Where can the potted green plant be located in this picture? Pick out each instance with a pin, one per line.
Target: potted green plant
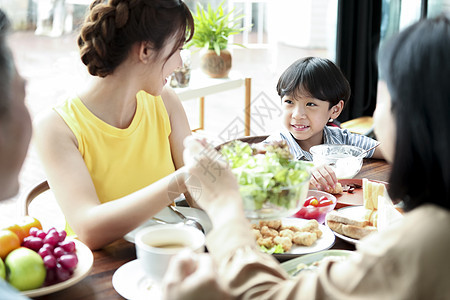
(212, 29)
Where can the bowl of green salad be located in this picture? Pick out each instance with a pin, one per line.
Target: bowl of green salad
(271, 183)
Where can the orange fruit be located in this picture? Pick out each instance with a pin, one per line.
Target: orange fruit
(22, 228)
(8, 242)
(28, 222)
(21, 234)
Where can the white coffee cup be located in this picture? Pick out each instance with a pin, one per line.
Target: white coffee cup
(156, 245)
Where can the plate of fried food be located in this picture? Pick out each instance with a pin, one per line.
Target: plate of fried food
(290, 237)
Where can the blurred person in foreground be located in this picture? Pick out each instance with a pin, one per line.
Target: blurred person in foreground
(15, 130)
(409, 260)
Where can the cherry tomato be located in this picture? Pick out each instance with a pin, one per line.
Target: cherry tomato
(314, 202)
(308, 200)
(312, 214)
(300, 213)
(323, 198)
(325, 203)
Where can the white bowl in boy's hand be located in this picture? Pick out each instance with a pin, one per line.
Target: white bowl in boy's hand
(345, 160)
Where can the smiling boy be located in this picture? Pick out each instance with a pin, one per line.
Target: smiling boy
(313, 92)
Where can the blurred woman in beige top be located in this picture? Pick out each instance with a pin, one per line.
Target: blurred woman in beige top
(409, 260)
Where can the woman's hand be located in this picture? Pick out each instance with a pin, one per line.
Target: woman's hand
(211, 182)
(324, 178)
(192, 276)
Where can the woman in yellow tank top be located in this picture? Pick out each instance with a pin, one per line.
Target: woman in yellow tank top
(111, 152)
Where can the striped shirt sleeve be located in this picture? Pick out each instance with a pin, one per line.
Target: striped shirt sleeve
(335, 135)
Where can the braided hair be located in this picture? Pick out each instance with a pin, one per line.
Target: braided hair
(112, 28)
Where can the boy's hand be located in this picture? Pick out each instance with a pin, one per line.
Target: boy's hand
(323, 178)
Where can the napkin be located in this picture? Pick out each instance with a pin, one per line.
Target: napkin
(193, 148)
(388, 215)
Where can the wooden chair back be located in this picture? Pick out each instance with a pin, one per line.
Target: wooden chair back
(247, 139)
(31, 195)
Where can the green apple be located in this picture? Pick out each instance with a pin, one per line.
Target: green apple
(2, 269)
(26, 269)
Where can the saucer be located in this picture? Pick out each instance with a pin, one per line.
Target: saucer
(131, 283)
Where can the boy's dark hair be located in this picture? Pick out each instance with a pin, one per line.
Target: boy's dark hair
(416, 67)
(317, 77)
(6, 65)
(111, 29)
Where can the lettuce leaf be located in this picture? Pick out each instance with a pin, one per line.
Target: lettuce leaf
(266, 178)
(275, 249)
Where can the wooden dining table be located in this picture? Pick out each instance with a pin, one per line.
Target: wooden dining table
(98, 283)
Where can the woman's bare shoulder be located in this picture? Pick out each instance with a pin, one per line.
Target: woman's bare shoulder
(49, 125)
(171, 100)
(47, 120)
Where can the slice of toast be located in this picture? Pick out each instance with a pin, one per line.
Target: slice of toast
(336, 216)
(355, 232)
(371, 191)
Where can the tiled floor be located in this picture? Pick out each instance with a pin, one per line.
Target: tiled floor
(53, 71)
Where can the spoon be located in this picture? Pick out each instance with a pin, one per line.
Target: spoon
(187, 221)
(160, 221)
(364, 153)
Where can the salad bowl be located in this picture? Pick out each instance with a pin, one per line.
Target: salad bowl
(272, 185)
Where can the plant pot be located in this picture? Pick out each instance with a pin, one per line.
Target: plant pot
(216, 66)
(180, 77)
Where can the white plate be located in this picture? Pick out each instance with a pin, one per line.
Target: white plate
(326, 241)
(354, 212)
(131, 283)
(290, 266)
(85, 261)
(168, 215)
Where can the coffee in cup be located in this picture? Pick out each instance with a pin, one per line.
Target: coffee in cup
(156, 245)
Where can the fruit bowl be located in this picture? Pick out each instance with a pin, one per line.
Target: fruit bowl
(344, 159)
(316, 206)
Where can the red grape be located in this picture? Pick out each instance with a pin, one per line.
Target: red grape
(33, 231)
(49, 247)
(68, 261)
(41, 234)
(61, 273)
(62, 235)
(58, 252)
(68, 246)
(51, 230)
(33, 243)
(43, 252)
(49, 262)
(50, 278)
(26, 240)
(52, 238)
